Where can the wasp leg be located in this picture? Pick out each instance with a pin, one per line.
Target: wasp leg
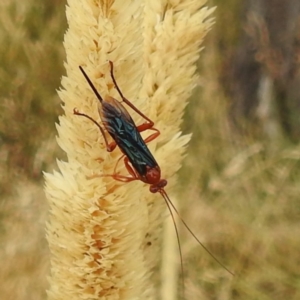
(152, 136)
(151, 123)
(115, 169)
(109, 146)
(119, 177)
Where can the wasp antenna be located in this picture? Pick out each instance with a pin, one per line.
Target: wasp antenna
(167, 199)
(91, 84)
(178, 242)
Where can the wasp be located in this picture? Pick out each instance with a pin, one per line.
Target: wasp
(138, 160)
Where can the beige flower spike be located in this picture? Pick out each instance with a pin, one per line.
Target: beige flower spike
(104, 235)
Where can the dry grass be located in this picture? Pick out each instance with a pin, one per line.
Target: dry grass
(31, 66)
(243, 202)
(239, 193)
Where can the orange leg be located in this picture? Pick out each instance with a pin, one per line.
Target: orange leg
(133, 176)
(130, 170)
(115, 169)
(144, 126)
(148, 125)
(109, 146)
(152, 136)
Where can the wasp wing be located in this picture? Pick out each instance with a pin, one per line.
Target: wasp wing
(123, 130)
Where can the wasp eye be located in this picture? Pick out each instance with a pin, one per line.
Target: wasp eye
(162, 183)
(154, 189)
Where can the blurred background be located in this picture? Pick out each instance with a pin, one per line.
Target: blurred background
(240, 184)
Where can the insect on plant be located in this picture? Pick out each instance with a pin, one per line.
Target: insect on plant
(138, 160)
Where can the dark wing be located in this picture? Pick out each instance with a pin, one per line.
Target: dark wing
(123, 130)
